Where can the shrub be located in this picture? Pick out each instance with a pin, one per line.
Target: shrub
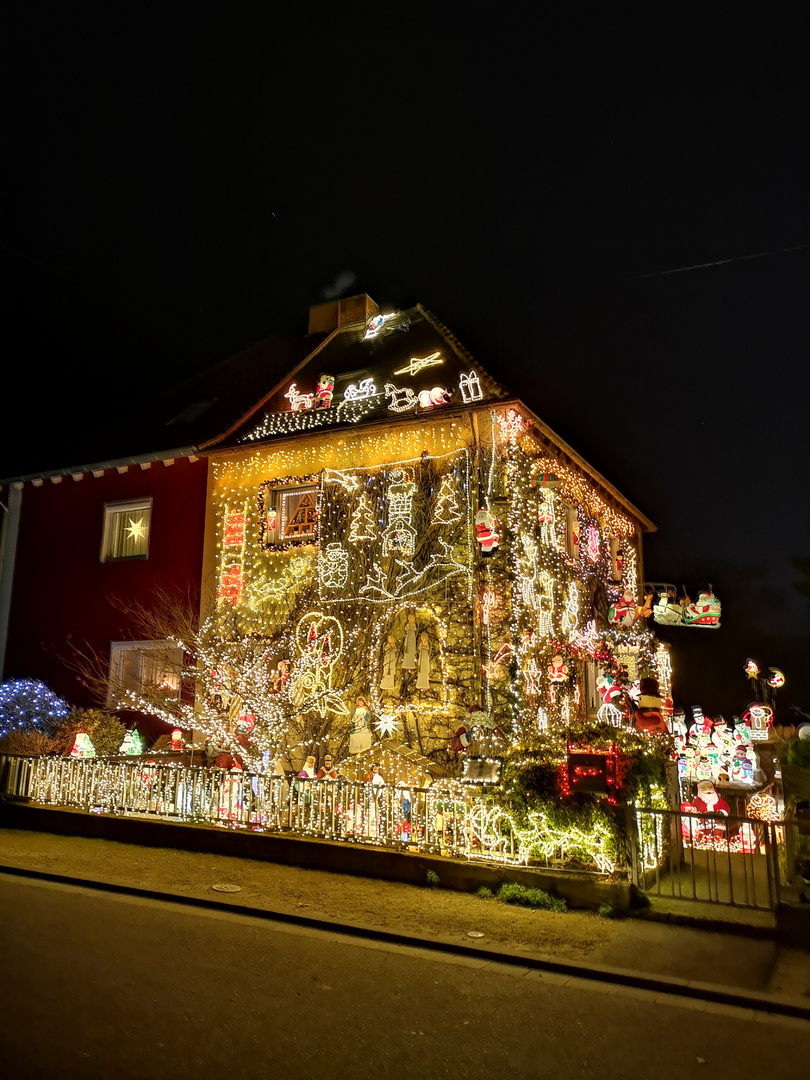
(797, 752)
(432, 877)
(512, 893)
(606, 910)
(106, 731)
(485, 893)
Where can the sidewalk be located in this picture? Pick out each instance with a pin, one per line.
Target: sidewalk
(601, 947)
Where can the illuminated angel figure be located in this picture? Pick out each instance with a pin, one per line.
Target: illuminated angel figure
(570, 613)
(545, 603)
(528, 572)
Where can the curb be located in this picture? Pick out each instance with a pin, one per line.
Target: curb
(595, 973)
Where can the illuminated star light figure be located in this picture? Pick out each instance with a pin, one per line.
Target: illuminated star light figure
(387, 726)
(136, 529)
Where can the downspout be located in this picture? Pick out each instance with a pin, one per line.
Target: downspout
(8, 554)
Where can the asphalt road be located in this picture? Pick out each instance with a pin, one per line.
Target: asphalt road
(112, 986)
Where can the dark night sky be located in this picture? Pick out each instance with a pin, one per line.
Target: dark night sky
(178, 184)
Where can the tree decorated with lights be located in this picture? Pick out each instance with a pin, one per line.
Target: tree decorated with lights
(28, 705)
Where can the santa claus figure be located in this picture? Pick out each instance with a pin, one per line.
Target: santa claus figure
(708, 801)
(623, 612)
(558, 669)
(460, 740)
(486, 531)
(325, 389)
(647, 715)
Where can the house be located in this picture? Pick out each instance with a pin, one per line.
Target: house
(385, 545)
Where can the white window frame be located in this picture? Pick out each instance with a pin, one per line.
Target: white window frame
(142, 649)
(111, 511)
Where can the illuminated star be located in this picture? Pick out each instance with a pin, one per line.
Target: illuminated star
(137, 529)
(387, 726)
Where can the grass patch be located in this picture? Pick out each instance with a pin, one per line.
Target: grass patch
(511, 893)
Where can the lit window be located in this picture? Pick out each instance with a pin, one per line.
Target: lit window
(126, 530)
(150, 668)
(288, 515)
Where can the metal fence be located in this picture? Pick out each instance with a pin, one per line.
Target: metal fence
(713, 858)
(669, 854)
(433, 820)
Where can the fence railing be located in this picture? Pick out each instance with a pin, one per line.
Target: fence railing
(670, 854)
(716, 858)
(435, 820)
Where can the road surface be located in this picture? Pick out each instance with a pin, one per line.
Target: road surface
(98, 985)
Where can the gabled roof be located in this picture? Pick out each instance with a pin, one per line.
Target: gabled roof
(410, 354)
(248, 397)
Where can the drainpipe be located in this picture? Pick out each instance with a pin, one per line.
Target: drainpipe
(8, 551)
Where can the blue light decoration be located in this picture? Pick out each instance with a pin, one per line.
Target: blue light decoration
(29, 705)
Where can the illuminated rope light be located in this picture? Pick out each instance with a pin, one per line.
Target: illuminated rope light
(403, 399)
(470, 387)
(417, 364)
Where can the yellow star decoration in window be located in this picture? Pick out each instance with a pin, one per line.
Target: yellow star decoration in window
(137, 529)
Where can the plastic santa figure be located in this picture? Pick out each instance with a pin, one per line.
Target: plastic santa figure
(486, 531)
(326, 386)
(647, 712)
(558, 669)
(708, 801)
(623, 612)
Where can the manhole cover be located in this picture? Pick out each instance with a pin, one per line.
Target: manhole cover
(474, 933)
(227, 888)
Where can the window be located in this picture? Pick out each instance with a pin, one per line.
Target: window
(151, 668)
(126, 530)
(288, 514)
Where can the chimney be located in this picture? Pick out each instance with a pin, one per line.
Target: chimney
(337, 314)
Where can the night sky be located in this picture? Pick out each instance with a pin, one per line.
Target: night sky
(178, 184)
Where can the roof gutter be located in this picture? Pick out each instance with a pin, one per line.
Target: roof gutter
(101, 466)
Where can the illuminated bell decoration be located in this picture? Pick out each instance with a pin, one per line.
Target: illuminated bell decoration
(82, 747)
